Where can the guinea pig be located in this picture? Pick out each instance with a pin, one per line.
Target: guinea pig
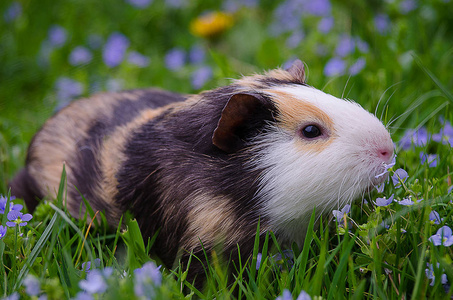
(203, 170)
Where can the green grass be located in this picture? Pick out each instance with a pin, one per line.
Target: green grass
(407, 81)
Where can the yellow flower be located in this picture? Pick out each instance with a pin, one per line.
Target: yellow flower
(211, 24)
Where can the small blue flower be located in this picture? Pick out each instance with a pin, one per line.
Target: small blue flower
(96, 281)
(400, 176)
(115, 49)
(303, 296)
(384, 201)
(83, 296)
(3, 230)
(259, 256)
(406, 6)
(435, 218)
(17, 218)
(80, 56)
(146, 279)
(67, 89)
(295, 39)
(431, 159)
(13, 296)
(387, 168)
(13, 12)
(417, 138)
(326, 24)
(445, 135)
(345, 46)
(175, 59)
(32, 285)
(430, 274)
(201, 76)
(286, 295)
(442, 237)
(334, 67)
(340, 214)
(362, 45)
(140, 3)
(318, 7)
(382, 23)
(12, 206)
(197, 55)
(138, 59)
(87, 265)
(357, 66)
(57, 36)
(406, 202)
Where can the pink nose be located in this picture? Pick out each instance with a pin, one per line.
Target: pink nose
(385, 153)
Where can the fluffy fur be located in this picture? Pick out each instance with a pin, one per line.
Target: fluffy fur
(208, 167)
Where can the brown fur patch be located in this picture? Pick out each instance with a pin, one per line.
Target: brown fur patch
(113, 157)
(295, 113)
(210, 220)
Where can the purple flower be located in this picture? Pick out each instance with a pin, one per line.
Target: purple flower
(13, 12)
(115, 49)
(442, 237)
(303, 296)
(197, 55)
(361, 45)
(445, 135)
(435, 218)
(12, 206)
(32, 285)
(259, 256)
(384, 201)
(57, 36)
(430, 274)
(287, 17)
(387, 168)
(146, 279)
(235, 5)
(67, 89)
(335, 66)
(406, 202)
(430, 158)
(382, 23)
(17, 218)
(87, 265)
(416, 137)
(3, 230)
(407, 6)
(96, 281)
(326, 24)
(83, 296)
(286, 295)
(380, 188)
(175, 3)
(175, 59)
(400, 176)
(345, 46)
(340, 214)
(80, 56)
(318, 7)
(357, 66)
(295, 39)
(140, 3)
(13, 296)
(138, 59)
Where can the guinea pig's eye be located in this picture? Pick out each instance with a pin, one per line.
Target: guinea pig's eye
(311, 131)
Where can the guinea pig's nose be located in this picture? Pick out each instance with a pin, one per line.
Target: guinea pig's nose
(385, 153)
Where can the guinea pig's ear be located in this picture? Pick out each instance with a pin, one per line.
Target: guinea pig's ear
(242, 115)
(297, 71)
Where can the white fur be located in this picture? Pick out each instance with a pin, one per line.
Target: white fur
(296, 181)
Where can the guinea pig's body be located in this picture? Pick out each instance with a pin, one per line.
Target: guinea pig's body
(208, 167)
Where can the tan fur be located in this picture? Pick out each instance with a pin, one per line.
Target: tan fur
(112, 158)
(57, 142)
(296, 112)
(210, 220)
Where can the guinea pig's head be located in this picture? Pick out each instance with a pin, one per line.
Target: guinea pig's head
(313, 150)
